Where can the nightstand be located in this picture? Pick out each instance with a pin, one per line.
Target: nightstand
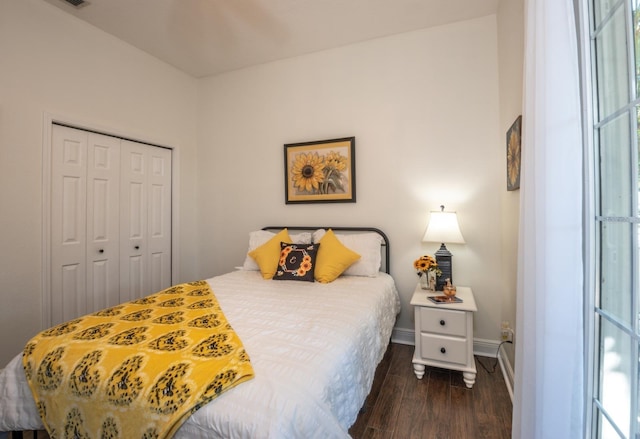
(444, 333)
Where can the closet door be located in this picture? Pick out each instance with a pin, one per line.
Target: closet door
(159, 208)
(110, 235)
(145, 221)
(103, 228)
(84, 222)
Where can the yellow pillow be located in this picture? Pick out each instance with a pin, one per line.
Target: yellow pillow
(268, 254)
(333, 258)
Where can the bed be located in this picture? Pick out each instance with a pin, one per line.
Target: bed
(314, 346)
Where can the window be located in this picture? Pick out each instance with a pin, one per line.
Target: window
(613, 310)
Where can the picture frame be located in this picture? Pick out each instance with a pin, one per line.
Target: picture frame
(322, 171)
(514, 152)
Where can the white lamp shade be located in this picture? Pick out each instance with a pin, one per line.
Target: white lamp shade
(443, 227)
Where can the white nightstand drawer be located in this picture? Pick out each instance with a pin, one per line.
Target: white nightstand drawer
(443, 349)
(443, 321)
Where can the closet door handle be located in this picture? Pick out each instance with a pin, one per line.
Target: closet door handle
(137, 247)
(101, 250)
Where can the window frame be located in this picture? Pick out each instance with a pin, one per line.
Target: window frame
(585, 12)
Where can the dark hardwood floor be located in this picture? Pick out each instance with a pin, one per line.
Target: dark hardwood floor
(439, 406)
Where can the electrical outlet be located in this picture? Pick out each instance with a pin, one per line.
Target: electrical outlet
(506, 333)
(509, 335)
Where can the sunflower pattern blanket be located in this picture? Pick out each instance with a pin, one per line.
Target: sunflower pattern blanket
(136, 370)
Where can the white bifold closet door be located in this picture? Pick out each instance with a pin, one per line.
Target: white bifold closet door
(110, 221)
(145, 219)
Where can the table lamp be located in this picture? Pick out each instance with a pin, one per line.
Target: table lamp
(443, 227)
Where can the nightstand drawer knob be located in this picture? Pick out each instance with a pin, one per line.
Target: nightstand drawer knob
(443, 351)
(442, 322)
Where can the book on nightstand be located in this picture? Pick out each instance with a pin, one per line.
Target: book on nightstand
(440, 300)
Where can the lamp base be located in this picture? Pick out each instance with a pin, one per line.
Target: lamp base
(443, 259)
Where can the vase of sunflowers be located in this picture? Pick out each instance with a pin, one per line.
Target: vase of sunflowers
(427, 269)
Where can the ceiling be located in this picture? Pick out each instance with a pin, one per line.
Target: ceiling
(207, 37)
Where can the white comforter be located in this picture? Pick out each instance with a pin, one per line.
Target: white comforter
(314, 349)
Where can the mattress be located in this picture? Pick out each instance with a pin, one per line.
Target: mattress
(314, 349)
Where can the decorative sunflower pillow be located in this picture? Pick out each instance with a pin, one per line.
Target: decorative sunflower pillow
(297, 262)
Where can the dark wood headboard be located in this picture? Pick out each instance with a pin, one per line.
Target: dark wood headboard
(385, 239)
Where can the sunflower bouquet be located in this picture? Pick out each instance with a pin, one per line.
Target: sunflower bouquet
(425, 264)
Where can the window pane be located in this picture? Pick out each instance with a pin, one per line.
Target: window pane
(636, 186)
(614, 388)
(612, 67)
(636, 41)
(604, 429)
(601, 9)
(615, 46)
(637, 420)
(616, 267)
(615, 157)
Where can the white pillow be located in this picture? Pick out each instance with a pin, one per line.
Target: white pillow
(367, 245)
(259, 237)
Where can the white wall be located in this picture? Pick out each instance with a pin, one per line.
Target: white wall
(511, 56)
(424, 108)
(52, 62)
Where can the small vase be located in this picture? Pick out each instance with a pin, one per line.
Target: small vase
(424, 281)
(432, 283)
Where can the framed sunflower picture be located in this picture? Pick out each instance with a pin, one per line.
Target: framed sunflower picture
(513, 155)
(323, 171)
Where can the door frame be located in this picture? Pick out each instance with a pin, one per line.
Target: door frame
(48, 120)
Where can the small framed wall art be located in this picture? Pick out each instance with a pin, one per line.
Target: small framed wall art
(513, 154)
(322, 171)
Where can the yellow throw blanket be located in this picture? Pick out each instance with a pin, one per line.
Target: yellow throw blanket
(136, 370)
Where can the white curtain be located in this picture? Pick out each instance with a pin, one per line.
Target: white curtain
(549, 388)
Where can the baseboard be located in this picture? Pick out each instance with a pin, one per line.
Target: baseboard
(481, 347)
(507, 372)
(403, 336)
(485, 348)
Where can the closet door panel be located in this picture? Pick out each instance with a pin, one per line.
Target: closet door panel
(145, 219)
(137, 284)
(134, 279)
(68, 223)
(71, 300)
(158, 271)
(160, 217)
(103, 286)
(72, 216)
(100, 284)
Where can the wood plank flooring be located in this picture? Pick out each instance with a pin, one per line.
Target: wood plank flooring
(437, 407)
